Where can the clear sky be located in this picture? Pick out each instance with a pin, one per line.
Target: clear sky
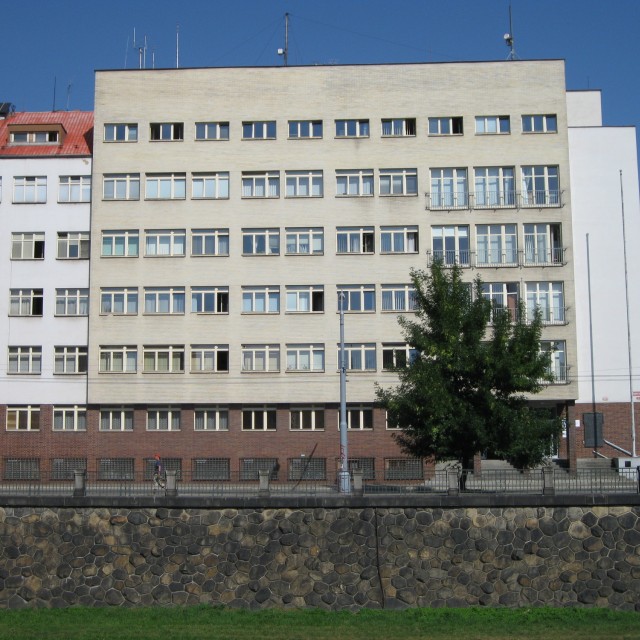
(47, 43)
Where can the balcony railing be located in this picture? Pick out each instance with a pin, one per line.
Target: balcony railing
(550, 315)
(467, 259)
(452, 201)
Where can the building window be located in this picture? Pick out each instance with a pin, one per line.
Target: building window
(542, 244)
(352, 128)
(303, 184)
(74, 189)
(304, 241)
(250, 468)
(451, 126)
(398, 182)
(163, 419)
(34, 137)
(503, 297)
(305, 357)
(120, 419)
(212, 130)
(23, 418)
(305, 129)
(403, 469)
(451, 244)
(261, 357)
(121, 186)
(354, 182)
(260, 300)
(25, 360)
(165, 242)
(209, 358)
(540, 186)
(29, 189)
(557, 359)
(115, 469)
(73, 245)
(540, 123)
(64, 468)
(25, 302)
(449, 189)
(21, 469)
(260, 184)
(118, 359)
(548, 298)
(164, 300)
(399, 240)
(27, 246)
(366, 465)
(260, 242)
(495, 187)
(359, 418)
(70, 360)
(398, 297)
(359, 356)
(119, 301)
(69, 419)
(118, 132)
(209, 299)
(213, 186)
(394, 127)
(304, 468)
(163, 359)
(166, 186)
(397, 355)
(210, 469)
(259, 419)
(120, 244)
(210, 242)
(497, 244)
(210, 419)
(305, 299)
(259, 130)
(493, 124)
(167, 131)
(72, 302)
(355, 239)
(306, 419)
(357, 298)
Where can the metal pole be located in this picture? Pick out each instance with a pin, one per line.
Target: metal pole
(593, 380)
(626, 293)
(344, 480)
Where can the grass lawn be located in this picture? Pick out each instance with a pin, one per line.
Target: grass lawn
(196, 623)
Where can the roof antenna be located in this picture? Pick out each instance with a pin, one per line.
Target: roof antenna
(69, 94)
(177, 46)
(509, 40)
(55, 80)
(285, 52)
(142, 51)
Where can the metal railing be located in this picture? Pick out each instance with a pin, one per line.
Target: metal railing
(467, 259)
(452, 200)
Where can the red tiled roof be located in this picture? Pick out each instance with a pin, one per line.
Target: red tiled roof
(78, 140)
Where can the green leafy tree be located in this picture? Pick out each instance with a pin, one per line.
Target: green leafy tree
(466, 391)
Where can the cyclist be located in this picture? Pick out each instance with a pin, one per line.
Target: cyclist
(158, 473)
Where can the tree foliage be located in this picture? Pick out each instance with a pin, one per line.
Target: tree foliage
(466, 391)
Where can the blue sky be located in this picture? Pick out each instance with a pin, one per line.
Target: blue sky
(61, 42)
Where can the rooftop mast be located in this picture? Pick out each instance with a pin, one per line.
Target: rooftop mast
(285, 52)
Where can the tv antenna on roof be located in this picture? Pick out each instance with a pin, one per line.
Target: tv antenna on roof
(509, 40)
(141, 49)
(285, 52)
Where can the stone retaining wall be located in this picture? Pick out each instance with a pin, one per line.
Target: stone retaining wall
(333, 558)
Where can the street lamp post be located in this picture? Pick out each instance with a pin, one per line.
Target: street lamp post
(344, 479)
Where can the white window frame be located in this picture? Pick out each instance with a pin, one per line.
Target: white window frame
(399, 240)
(500, 247)
(359, 356)
(210, 300)
(259, 130)
(117, 418)
(558, 366)
(211, 185)
(356, 298)
(73, 245)
(402, 355)
(74, 189)
(301, 241)
(120, 132)
(29, 189)
(354, 183)
(174, 240)
(155, 356)
(16, 414)
(209, 358)
(267, 239)
(165, 186)
(213, 242)
(503, 296)
(211, 419)
(542, 244)
(113, 240)
(164, 301)
(304, 299)
(24, 360)
(540, 123)
(549, 298)
(398, 298)
(26, 302)
(446, 126)
(260, 358)
(121, 186)
(260, 184)
(398, 182)
(359, 418)
(355, 240)
(450, 244)
(118, 359)
(449, 188)
(398, 127)
(540, 186)
(166, 131)
(261, 300)
(70, 360)
(306, 418)
(305, 357)
(259, 418)
(304, 184)
(353, 128)
(72, 302)
(305, 129)
(494, 187)
(114, 298)
(72, 418)
(212, 130)
(27, 246)
(493, 125)
(163, 419)
(35, 137)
